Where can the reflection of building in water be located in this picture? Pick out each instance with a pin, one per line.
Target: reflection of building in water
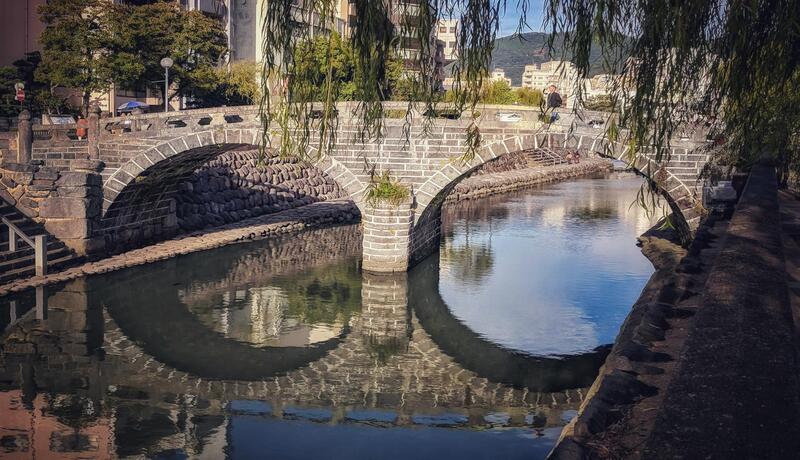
(260, 316)
(33, 429)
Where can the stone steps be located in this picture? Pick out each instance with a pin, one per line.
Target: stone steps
(21, 263)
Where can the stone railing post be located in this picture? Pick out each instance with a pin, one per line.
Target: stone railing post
(387, 236)
(93, 134)
(24, 137)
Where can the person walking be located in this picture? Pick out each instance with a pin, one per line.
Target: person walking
(553, 102)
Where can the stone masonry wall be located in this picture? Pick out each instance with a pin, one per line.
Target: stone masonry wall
(67, 203)
(509, 162)
(238, 185)
(387, 236)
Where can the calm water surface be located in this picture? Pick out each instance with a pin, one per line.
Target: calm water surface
(285, 349)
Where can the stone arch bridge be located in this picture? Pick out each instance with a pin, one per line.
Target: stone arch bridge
(135, 163)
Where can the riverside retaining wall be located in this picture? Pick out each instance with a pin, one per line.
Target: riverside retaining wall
(706, 364)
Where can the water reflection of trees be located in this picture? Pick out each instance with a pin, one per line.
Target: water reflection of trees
(592, 213)
(470, 262)
(330, 295)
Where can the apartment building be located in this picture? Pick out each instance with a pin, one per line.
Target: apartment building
(499, 74)
(447, 32)
(562, 74)
(404, 15)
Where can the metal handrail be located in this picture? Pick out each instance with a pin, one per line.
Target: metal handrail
(38, 243)
(552, 157)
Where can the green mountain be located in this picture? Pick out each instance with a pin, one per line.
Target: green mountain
(514, 52)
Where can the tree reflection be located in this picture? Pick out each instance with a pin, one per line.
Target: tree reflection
(592, 213)
(329, 295)
(469, 261)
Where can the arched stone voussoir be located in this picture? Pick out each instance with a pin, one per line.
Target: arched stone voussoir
(347, 181)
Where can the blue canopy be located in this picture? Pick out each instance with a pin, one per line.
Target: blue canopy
(131, 105)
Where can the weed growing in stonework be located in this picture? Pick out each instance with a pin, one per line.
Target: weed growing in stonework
(385, 188)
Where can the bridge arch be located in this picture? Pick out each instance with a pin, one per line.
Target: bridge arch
(138, 204)
(676, 189)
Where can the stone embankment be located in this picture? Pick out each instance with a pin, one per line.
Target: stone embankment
(240, 184)
(706, 364)
(312, 216)
(503, 181)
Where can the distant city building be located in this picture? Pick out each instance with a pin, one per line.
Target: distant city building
(447, 32)
(404, 15)
(599, 85)
(562, 74)
(20, 29)
(499, 74)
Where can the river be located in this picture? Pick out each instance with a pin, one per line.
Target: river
(285, 349)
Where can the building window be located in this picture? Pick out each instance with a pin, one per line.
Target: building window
(442, 30)
(452, 30)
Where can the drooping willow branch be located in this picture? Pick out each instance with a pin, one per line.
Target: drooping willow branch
(734, 61)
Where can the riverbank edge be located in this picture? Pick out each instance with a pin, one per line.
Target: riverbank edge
(680, 375)
(312, 216)
(483, 185)
(664, 250)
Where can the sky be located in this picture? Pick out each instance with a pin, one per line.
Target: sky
(510, 18)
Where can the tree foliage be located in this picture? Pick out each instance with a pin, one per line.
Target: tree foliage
(734, 61)
(74, 46)
(90, 44)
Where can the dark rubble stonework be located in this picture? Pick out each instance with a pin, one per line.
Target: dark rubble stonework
(240, 184)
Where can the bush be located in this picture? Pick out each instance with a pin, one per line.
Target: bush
(387, 189)
(601, 103)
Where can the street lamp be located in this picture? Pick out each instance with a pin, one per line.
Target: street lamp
(166, 63)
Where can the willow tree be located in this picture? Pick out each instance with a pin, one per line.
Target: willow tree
(735, 61)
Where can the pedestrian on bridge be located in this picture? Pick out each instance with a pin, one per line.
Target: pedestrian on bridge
(553, 102)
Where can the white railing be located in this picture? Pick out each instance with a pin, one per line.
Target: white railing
(38, 243)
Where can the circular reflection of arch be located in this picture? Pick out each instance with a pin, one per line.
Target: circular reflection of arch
(487, 359)
(144, 302)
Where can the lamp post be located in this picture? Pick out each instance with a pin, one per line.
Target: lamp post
(166, 63)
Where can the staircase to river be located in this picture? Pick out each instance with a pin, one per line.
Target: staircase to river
(544, 156)
(21, 263)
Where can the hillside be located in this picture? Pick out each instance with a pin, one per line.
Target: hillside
(513, 53)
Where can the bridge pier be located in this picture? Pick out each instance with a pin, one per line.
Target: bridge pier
(387, 236)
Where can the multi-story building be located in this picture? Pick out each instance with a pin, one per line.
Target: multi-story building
(499, 74)
(20, 29)
(404, 15)
(447, 32)
(562, 74)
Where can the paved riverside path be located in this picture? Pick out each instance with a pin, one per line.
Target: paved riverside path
(736, 392)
